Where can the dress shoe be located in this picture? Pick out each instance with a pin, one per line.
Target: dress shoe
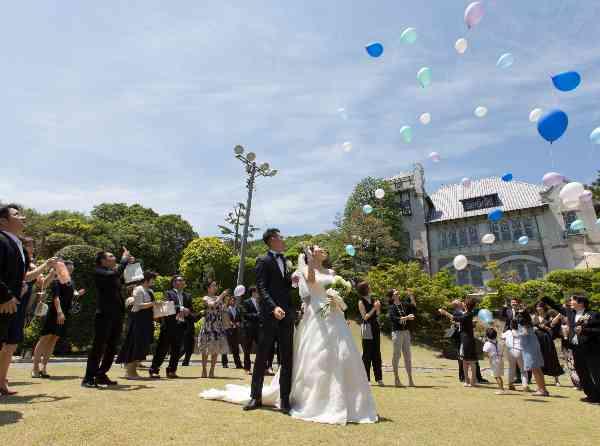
(172, 375)
(185, 363)
(589, 400)
(89, 384)
(285, 407)
(153, 374)
(44, 375)
(104, 380)
(253, 404)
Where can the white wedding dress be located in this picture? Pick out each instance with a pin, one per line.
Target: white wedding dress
(329, 382)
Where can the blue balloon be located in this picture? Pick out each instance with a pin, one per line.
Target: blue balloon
(495, 215)
(350, 250)
(507, 177)
(485, 316)
(375, 49)
(567, 81)
(577, 225)
(553, 125)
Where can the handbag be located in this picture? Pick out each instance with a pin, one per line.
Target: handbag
(163, 309)
(41, 309)
(366, 331)
(133, 273)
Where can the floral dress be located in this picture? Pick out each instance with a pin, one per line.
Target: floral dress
(212, 339)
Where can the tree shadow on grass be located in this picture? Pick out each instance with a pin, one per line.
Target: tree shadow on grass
(10, 417)
(23, 383)
(217, 377)
(127, 387)
(64, 378)
(33, 399)
(531, 400)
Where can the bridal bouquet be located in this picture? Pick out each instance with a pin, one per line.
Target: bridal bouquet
(336, 291)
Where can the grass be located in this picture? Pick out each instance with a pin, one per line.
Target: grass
(438, 412)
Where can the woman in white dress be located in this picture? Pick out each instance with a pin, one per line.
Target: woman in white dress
(329, 382)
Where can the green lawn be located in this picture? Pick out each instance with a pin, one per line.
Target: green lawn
(439, 412)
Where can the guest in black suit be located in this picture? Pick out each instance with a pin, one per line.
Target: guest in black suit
(457, 311)
(277, 314)
(583, 338)
(189, 334)
(172, 329)
(108, 323)
(250, 325)
(233, 332)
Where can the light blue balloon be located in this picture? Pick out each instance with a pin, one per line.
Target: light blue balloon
(374, 49)
(409, 35)
(567, 81)
(507, 177)
(598, 221)
(350, 250)
(485, 316)
(406, 133)
(424, 77)
(505, 61)
(523, 240)
(577, 225)
(495, 215)
(367, 209)
(595, 136)
(553, 125)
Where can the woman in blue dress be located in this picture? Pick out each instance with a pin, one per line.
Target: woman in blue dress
(533, 359)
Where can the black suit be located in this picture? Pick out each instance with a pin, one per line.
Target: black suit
(250, 329)
(233, 335)
(171, 335)
(108, 323)
(274, 289)
(188, 330)
(12, 274)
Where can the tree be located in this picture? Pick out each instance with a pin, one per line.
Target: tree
(206, 259)
(595, 188)
(236, 219)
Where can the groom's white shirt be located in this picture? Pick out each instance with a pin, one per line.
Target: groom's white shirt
(279, 262)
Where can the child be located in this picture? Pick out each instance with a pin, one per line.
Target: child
(494, 353)
(514, 355)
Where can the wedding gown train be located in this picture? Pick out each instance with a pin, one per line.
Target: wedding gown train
(329, 382)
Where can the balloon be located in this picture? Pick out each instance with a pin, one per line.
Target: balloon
(595, 136)
(485, 316)
(374, 49)
(424, 76)
(406, 133)
(347, 146)
(535, 115)
(567, 81)
(586, 196)
(552, 179)
(239, 291)
(350, 250)
(473, 14)
(552, 125)
(367, 209)
(481, 111)
(466, 182)
(461, 46)
(460, 262)
(507, 177)
(577, 225)
(488, 239)
(495, 215)
(598, 221)
(523, 240)
(505, 61)
(435, 157)
(379, 194)
(409, 35)
(425, 118)
(570, 193)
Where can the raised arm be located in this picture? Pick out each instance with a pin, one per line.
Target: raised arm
(363, 311)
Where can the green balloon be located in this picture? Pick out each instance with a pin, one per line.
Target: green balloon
(406, 133)
(409, 35)
(424, 77)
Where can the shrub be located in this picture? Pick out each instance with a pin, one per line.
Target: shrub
(205, 259)
(567, 279)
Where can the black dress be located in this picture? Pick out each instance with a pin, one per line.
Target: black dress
(64, 292)
(140, 333)
(545, 335)
(372, 347)
(468, 351)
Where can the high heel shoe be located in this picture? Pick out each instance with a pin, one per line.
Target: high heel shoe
(6, 392)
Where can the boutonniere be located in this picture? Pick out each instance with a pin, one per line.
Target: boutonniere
(289, 265)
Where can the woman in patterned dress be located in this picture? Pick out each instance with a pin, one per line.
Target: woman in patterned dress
(212, 339)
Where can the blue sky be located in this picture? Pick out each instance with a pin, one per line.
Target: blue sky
(143, 101)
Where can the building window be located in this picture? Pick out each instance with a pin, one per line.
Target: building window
(473, 235)
(495, 229)
(533, 271)
(452, 241)
(443, 240)
(516, 229)
(404, 203)
(463, 277)
(528, 226)
(521, 271)
(462, 237)
(505, 231)
(476, 276)
(484, 202)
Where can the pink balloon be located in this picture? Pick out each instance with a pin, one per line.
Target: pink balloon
(473, 14)
(552, 179)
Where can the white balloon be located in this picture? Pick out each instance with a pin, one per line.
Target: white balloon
(239, 291)
(488, 239)
(570, 193)
(379, 194)
(425, 118)
(570, 205)
(552, 179)
(535, 114)
(347, 146)
(460, 262)
(466, 182)
(435, 157)
(461, 45)
(481, 111)
(586, 196)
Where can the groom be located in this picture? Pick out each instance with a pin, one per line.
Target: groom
(276, 311)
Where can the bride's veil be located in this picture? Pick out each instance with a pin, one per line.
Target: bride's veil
(302, 272)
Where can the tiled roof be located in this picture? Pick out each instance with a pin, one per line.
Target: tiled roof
(514, 195)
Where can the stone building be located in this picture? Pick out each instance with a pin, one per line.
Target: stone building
(453, 219)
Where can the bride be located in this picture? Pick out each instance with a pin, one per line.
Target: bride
(329, 382)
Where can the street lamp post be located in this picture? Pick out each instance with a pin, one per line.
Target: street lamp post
(253, 170)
